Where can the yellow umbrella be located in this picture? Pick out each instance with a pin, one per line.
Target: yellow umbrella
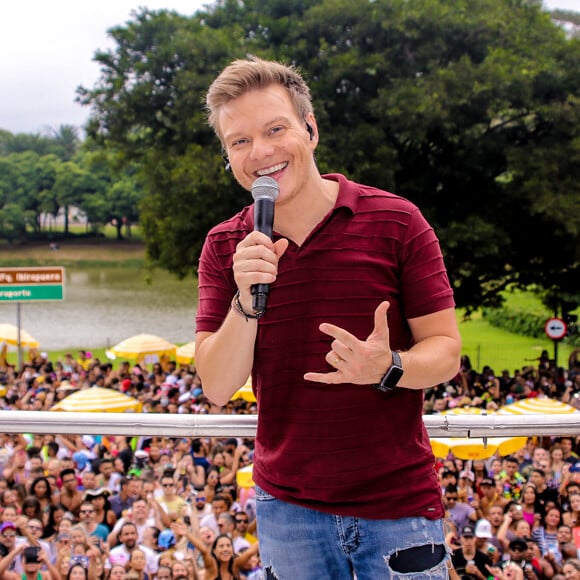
(98, 399)
(466, 448)
(9, 335)
(146, 348)
(245, 392)
(476, 447)
(536, 405)
(185, 354)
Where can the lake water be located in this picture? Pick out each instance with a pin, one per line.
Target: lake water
(104, 306)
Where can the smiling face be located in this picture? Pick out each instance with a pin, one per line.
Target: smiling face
(263, 135)
(223, 549)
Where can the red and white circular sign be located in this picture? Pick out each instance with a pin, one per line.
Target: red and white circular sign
(556, 328)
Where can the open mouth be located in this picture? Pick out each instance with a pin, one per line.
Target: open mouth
(272, 170)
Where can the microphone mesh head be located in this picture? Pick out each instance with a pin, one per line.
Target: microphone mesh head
(265, 188)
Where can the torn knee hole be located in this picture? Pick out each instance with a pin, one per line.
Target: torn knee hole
(417, 559)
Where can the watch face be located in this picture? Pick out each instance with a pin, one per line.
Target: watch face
(391, 379)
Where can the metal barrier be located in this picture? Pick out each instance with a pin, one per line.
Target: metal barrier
(473, 426)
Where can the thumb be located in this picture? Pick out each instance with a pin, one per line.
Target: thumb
(381, 329)
(280, 247)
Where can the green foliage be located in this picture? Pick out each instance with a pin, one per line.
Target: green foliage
(467, 107)
(525, 313)
(32, 184)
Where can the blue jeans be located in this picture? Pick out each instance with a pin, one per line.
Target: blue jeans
(298, 543)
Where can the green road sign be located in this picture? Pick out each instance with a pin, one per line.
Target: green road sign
(31, 284)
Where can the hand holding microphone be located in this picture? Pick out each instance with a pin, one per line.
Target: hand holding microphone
(256, 261)
(265, 192)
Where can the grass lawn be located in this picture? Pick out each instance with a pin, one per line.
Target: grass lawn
(487, 345)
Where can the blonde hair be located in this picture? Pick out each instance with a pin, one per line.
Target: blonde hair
(253, 73)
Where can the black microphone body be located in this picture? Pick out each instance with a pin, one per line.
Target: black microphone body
(265, 192)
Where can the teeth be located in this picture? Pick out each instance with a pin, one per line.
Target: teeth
(271, 170)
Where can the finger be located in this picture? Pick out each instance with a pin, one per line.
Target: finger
(256, 238)
(333, 359)
(327, 378)
(381, 329)
(340, 334)
(341, 351)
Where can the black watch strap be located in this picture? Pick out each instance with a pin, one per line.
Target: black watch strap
(392, 376)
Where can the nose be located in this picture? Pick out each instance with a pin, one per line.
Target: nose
(261, 148)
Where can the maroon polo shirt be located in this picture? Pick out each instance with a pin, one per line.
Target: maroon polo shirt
(344, 449)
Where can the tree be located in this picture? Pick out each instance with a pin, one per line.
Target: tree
(25, 179)
(470, 109)
(117, 196)
(66, 141)
(73, 183)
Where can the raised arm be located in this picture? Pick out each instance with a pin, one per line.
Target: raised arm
(224, 359)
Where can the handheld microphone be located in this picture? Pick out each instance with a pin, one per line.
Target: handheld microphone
(265, 192)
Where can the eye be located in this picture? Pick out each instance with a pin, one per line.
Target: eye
(239, 142)
(275, 130)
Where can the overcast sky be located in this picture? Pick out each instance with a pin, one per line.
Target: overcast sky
(47, 49)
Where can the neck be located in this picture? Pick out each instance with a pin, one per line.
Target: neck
(294, 221)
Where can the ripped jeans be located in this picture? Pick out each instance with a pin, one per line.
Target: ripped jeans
(298, 543)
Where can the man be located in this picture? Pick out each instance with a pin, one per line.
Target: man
(96, 532)
(8, 535)
(496, 518)
(538, 455)
(544, 494)
(519, 552)
(566, 542)
(511, 479)
(220, 504)
(121, 554)
(227, 525)
(490, 497)
(242, 527)
(172, 503)
(128, 493)
(460, 512)
(32, 558)
(140, 516)
(469, 562)
(107, 476)
(448, 477)
(485, 541)
(567, 443)
(89, 481)
(34, 529)
(70, 496)
(342, 255)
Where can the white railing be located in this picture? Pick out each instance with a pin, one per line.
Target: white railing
(171, 425)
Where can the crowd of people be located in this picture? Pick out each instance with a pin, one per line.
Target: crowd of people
(87, 507)
(122, 507)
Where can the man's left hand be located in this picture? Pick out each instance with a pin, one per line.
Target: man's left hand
(361, 362)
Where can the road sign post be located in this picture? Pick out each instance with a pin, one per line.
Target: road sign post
(30, 285)
(556, 329)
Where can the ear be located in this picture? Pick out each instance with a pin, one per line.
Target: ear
(311, 127)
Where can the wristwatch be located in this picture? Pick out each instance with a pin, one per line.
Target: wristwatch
(392, 376)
